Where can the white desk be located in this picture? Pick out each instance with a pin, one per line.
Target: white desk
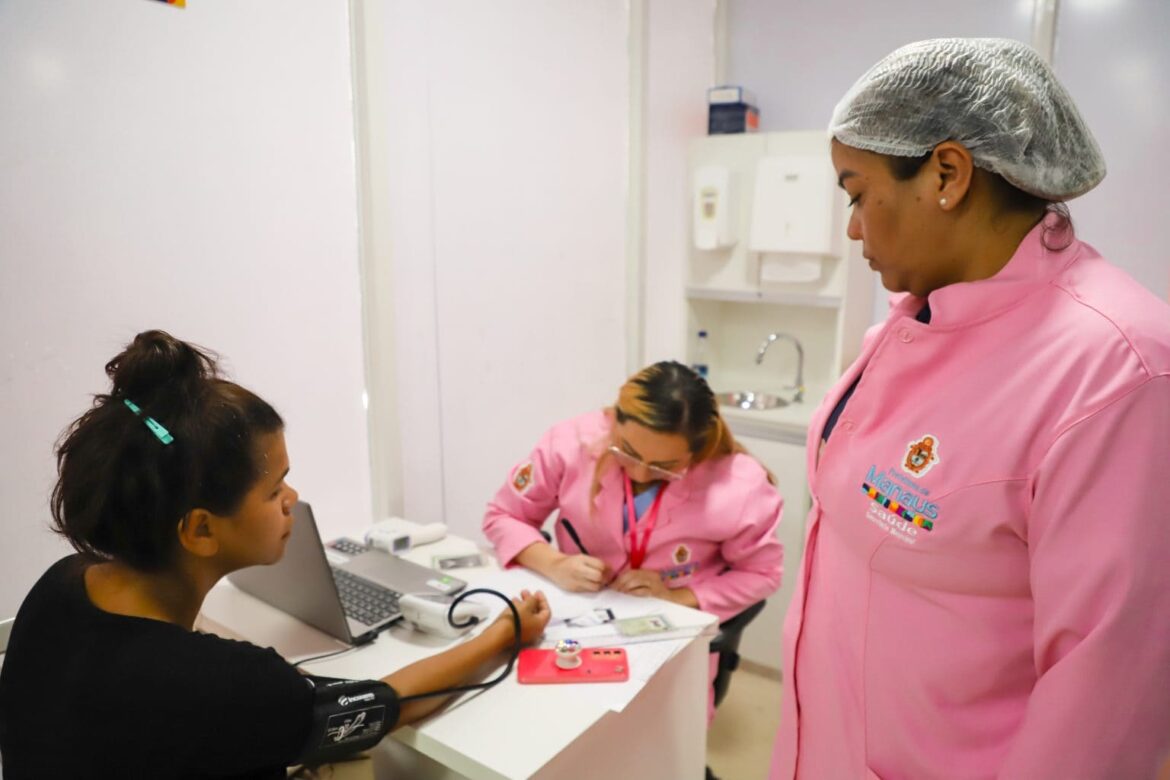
(550, 732)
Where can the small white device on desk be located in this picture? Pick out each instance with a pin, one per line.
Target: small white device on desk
(396, 535)
(429, 613)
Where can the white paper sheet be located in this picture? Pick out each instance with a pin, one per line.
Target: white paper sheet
(607, 635)
(511, 581)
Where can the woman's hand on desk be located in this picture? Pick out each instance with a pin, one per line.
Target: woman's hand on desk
(578, 573)
(641, 582)
(574, 573)
(646, 582)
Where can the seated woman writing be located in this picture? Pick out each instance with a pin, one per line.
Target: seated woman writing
(702, 532)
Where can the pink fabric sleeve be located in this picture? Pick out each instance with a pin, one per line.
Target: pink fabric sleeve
(1099, 540)
(754, 555)
(516, 513)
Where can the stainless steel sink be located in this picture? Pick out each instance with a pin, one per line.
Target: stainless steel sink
(750, 400)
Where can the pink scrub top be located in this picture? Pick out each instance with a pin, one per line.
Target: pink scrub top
(715, 531)
(985, 588)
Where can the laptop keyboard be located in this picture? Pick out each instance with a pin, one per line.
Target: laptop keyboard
(348, 546)
(363, 600)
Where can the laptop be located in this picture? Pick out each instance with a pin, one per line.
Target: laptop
(349, 596)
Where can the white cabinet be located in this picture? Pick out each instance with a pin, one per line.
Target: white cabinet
(785, 459)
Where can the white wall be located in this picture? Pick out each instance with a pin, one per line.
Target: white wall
(1113, 57)
(508, 128)
(191, 170)
(680, 60)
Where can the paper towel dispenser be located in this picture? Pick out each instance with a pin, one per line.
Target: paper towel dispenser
(792, 211)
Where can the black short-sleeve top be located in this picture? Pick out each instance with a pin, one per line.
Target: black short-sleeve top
(87, 693)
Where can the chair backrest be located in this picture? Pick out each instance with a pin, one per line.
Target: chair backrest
(5, 630)
(726, 643)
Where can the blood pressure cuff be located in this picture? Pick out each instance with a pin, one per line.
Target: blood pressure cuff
(348, 716)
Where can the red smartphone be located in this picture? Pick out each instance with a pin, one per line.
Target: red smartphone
(598, 664)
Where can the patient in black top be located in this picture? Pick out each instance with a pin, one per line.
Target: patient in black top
(173, 479)
(85, 689)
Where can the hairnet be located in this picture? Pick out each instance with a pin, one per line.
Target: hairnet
(995, 96)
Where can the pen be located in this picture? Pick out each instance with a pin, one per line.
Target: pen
(573, 535)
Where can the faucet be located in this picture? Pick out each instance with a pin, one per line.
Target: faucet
(799, 385)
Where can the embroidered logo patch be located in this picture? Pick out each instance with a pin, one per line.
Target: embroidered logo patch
(898, 505)
(682, 554)
(896, 508)
(522, 479)
(678, 572)
(921, 455)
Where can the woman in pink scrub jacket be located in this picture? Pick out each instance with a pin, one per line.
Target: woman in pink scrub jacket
(706, 512)
(985, 590)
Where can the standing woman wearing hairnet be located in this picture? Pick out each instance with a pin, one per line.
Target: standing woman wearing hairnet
(985, 591)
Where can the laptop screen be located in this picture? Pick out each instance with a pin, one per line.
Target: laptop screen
(301, 582)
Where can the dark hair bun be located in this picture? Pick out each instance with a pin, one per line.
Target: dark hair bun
(156, 360)
(122, 487)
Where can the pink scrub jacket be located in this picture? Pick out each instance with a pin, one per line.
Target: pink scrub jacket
(985, 589)
(716, 529)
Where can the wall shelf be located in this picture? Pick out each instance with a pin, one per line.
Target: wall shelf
(760, 296)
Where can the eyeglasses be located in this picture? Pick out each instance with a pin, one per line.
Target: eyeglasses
(628, 461)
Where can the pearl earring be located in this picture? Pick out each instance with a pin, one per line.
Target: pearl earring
(942, 202)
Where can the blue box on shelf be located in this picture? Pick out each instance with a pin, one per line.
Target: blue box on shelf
(724, 118)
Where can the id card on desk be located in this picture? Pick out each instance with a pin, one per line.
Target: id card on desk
(642, 626)
(449, 562)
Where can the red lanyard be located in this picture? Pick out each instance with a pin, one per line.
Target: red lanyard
(638, 553)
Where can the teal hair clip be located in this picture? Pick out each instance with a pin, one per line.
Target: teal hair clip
(155, 426)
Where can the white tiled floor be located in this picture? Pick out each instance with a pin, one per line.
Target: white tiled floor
(739, 743)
